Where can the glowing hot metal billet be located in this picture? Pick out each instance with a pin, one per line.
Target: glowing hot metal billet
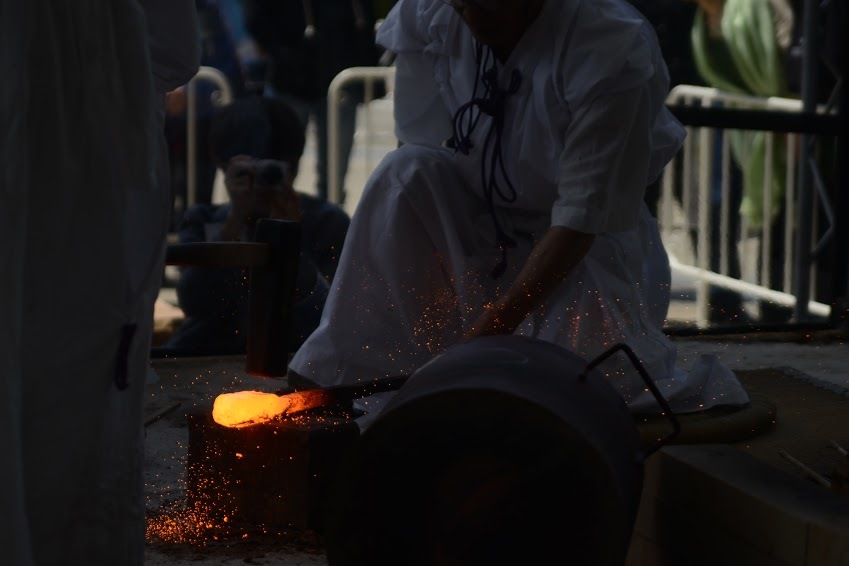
(246, 408)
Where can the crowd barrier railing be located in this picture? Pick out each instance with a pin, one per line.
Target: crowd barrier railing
(692, 200)
(369, 76)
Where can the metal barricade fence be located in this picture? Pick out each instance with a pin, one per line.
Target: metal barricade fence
(221, 97)
(369, 76)
(691, 209)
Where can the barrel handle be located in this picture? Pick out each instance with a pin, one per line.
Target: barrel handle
(661, 400)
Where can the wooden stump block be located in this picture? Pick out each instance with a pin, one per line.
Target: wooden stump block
(277, 475)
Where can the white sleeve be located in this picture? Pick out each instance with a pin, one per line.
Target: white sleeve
(604, 164)
(174, 41)
(420, 114)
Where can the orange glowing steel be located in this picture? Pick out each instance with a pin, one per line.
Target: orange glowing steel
(246, 408)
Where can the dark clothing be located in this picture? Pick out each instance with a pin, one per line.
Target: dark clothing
(672, 21)
(218, 50)
(308, 42)
(215, 301)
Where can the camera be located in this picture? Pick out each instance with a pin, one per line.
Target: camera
(265, 171)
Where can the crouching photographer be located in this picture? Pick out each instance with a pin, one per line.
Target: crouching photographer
(257, 143)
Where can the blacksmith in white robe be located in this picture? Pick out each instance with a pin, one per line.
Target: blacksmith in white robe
(84, 207)
(530, 219)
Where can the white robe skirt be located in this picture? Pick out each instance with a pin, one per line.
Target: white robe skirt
(584, 134)
(83, 216)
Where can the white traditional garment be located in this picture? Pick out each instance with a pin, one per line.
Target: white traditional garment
(584, 133)
(84, 210)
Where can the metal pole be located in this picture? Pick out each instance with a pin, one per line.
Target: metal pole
(840, 308)
(704, 251)
(191, 143)
(334, 190)
(801, 281)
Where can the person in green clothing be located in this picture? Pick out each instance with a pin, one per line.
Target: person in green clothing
(739, 46)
